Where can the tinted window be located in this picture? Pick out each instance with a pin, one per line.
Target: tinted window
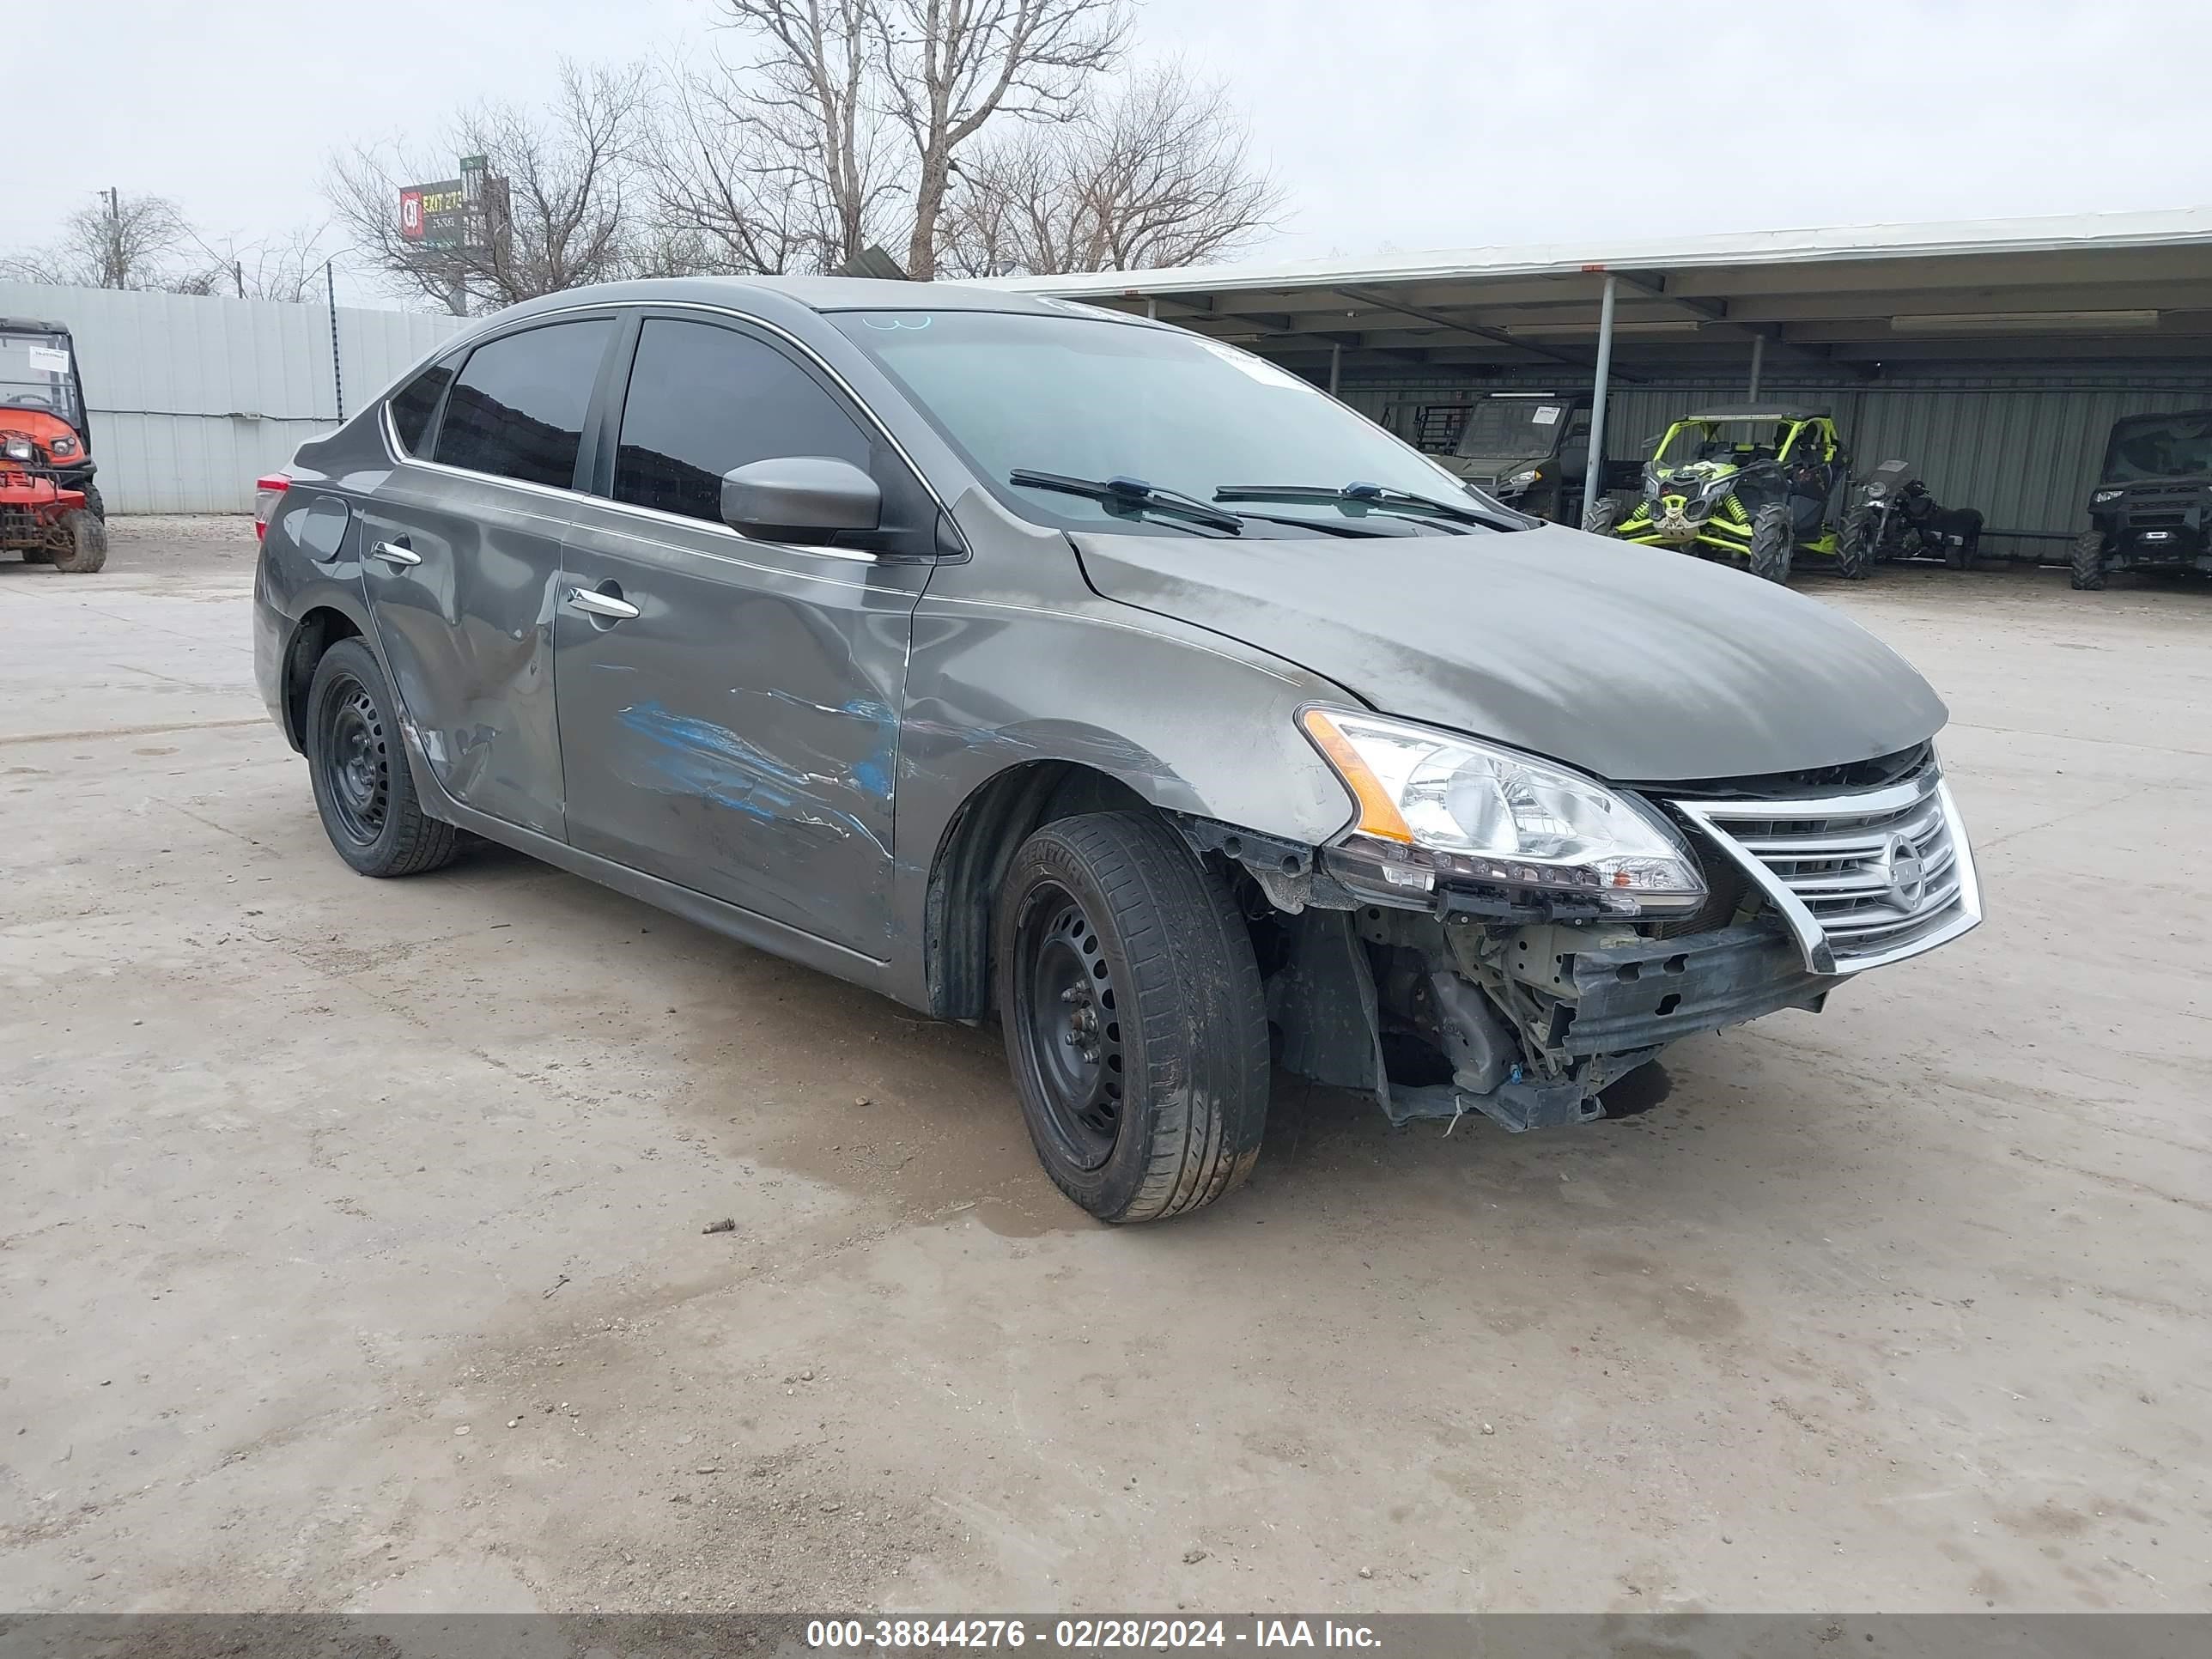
(518, 408)
(703, 400)
(413, 404)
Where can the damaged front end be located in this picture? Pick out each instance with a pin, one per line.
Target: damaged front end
(1444, 981)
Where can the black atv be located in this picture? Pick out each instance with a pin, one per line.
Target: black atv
(1527, 449)
(2152, 508)
(1893, 516)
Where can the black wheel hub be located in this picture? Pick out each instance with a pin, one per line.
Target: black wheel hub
(356, 763)
(1070, 1030)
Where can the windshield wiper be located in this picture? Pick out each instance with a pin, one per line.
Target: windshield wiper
(1133, 495)
(1361, 495)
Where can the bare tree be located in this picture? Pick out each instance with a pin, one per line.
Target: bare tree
(119, 242)
(1159, 175)
(834, 83)
(288, 267)
(952, 65)
(567, 215)
(780, 162)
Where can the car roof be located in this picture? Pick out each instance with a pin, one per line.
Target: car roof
(1759, 412)
(31, 326)
(821, 294)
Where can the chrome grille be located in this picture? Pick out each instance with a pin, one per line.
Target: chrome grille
(1862, 879)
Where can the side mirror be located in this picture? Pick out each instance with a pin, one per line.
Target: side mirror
(800, 498)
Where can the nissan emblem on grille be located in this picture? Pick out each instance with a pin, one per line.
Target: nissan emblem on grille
(1860, 879)
(1908, 883)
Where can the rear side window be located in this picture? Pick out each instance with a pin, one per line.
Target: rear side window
(703, 400)
(518, 408)
(414, 404)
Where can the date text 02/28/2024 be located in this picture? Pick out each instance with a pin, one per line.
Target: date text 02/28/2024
(1084, 1635)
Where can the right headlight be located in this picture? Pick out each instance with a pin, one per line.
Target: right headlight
(1434, 806)
(2105, 496)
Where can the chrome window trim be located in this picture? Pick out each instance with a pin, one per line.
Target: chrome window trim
(664, 543)
(1812, 939)
(401, 456)
(854, 555)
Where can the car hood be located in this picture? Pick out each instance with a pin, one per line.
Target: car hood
(1640, 666)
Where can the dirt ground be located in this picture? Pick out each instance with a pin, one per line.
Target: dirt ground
(351, 1249)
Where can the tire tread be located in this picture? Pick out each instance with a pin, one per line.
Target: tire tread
(1197, 1000)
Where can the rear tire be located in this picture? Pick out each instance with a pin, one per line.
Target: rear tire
(83, 549)
(1962, 538)
(93, 504)
(1134, 1023)
(1772, 542)
(363, 789)
(2086, 566)
(1855, 545)
(1604, 515)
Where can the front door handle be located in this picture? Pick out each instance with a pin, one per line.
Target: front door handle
(600, 604)
(395, 553)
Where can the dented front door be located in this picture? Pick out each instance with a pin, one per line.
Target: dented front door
(729, 714)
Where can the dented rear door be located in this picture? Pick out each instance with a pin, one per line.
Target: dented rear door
(738, 734)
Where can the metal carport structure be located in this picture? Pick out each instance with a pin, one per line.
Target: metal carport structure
(2098, 314)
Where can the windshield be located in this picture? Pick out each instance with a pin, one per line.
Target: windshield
(34, 374)
(2160, 447)
(1512, 428)
(1739, 443)
(1090, 398)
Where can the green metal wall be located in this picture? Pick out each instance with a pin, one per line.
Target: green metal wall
(2025, 453)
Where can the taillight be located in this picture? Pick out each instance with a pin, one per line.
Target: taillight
(267, 492)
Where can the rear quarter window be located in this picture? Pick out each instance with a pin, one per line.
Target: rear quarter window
(414, 404)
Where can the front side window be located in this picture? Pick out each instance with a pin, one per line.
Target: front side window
(414, 404)
(1094, 399)
(704, 399)
(518, 408)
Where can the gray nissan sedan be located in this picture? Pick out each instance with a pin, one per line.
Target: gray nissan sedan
(1007, 656)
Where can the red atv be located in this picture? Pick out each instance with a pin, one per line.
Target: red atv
(49, 510)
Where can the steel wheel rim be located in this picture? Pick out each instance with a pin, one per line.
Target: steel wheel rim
(356, 762)
(1068, 1026)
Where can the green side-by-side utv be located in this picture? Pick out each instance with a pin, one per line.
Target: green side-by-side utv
(1756, 482)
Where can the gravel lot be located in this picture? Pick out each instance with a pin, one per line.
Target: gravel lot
(351, 1251)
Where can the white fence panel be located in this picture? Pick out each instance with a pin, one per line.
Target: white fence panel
(193, 397)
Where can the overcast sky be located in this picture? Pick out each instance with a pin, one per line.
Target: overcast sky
(1394, 124)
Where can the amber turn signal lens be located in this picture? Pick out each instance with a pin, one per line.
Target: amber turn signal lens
(1378, 813)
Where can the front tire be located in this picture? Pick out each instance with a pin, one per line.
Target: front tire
(2086, 566)
(1604, 515)
(363, 789)
(1772, 542)
(1134, 1023)
(1855, 545)
(81, 545)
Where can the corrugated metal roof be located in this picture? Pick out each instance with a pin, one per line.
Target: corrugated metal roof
(2068, 233)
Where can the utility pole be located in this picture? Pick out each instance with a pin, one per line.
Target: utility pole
(114, 236)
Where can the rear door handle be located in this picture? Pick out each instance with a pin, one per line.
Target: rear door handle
(397, 553)
(600, 604)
